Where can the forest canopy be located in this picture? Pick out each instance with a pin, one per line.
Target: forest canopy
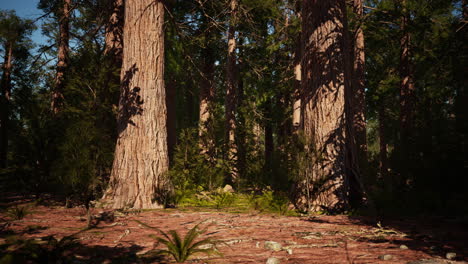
(332, 106)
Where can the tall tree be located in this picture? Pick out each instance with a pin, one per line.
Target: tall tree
(231, 90)
(62, 56)
(297, 78)
(139, 178)
(12, 30)
(407, 88)
(358, 84)
(325, 77)
(207, 87)
(114, 30)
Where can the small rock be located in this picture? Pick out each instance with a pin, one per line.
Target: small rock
(257, 245)
(272, 261)
(206, 246)
(403, 247)
(451, 255)
(272, 245)
(289, 251)
(312, 237)
(386, 257)
(427, 261)
(228, 188)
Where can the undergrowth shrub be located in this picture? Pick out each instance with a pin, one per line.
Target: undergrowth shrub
(191, 169)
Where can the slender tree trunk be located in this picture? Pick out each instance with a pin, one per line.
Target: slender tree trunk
(297, 79)
(5, 103)
(207, 96)
(62, 58)
(325, 70)
(231, 92)
(114, 31)
(407, 91)
(358, 86)
(139, 173)
(241, 129)
(383, 162)
(297, 87)
(269, 145)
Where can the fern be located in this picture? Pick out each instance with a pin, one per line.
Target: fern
(183, 248)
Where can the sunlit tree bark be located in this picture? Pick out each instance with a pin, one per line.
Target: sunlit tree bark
(139, 173)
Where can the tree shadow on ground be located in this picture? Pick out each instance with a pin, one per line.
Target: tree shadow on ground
(435, 236)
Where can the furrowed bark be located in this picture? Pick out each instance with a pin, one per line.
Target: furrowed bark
(139, 174)
(325, 81)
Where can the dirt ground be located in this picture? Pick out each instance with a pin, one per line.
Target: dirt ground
(118, 238)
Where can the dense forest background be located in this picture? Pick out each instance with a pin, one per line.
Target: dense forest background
(233, 92)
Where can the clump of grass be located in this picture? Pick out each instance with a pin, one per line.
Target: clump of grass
(224, 199)
(18, 212)
(183, 248)
(280, 204)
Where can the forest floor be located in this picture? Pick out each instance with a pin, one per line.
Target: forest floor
(117, 238)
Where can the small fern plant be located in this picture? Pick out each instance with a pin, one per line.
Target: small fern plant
(183, 248)
(17, 212)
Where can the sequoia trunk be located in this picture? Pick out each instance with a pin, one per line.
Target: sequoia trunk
(139, 173)
(324, 80)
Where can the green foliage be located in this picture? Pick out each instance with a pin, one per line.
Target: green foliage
(224, 199)
(18, 212)
(183, 248)
(270, 202)
(191, 168)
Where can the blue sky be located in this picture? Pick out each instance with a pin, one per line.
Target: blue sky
(25, 9)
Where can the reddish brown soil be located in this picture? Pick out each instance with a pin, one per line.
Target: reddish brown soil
(319, 239)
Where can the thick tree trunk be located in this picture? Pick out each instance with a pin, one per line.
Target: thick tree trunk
(358, 86)
(62, 58)
(5, 103)
(139, 173)
(231, 93)
(407, 91)
(324, 81)
(114, 31)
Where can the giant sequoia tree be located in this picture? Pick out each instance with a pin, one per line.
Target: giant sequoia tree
(138, 177)
(325, 77)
